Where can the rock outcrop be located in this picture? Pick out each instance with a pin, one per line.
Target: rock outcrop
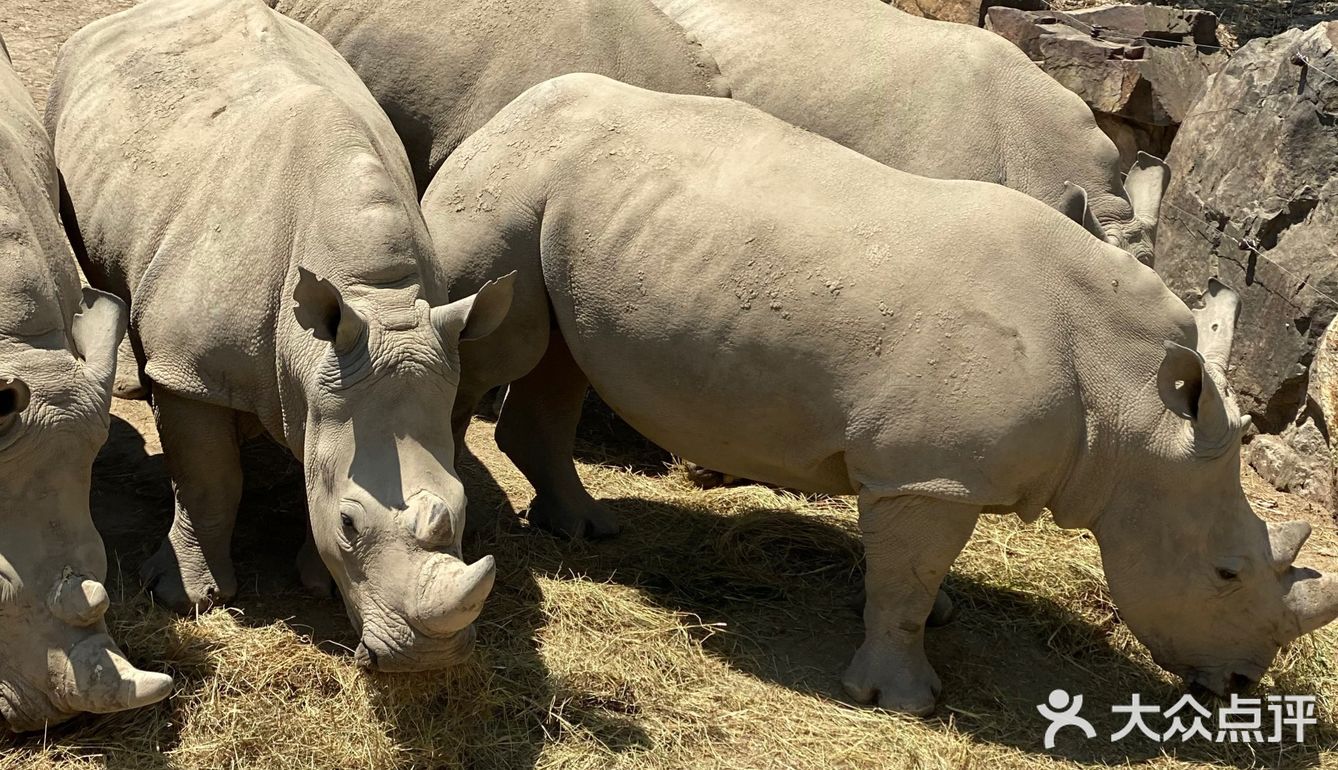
(1139, 67)
(1253, 200)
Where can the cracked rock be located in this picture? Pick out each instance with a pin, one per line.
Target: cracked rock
(1253, 200)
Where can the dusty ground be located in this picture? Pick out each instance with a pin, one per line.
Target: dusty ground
(711, 634)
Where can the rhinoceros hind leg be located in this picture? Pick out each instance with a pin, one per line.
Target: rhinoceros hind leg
(311, 569)
(909, 544)
(705, 478)
(129, 383)
(192, 570)
(537, 430)
(943, 611)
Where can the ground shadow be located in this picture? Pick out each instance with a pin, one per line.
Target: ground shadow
(494, 711)
(788, 587)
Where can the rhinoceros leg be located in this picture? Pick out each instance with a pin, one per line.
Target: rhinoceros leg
(537, 430)
(192, 569)
(909, 544)
(311, 569)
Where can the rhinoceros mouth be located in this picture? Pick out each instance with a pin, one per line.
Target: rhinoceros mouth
(425, 653)
(24, 707)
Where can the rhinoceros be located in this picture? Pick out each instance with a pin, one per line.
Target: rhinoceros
(786, 309)
(933, 98)
(57, 357)
(235, 182)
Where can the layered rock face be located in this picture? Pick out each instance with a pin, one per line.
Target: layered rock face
(1254, 200)
(1139, 67)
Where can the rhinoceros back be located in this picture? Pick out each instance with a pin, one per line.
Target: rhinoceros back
(39, 288)
(442, 69)
(937, 99)
(242, 144)
(747, 278)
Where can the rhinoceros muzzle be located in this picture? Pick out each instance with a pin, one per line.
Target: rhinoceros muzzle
(424, 654)
(438, 628)
(93, 676)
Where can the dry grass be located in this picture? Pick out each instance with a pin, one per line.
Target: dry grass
(711, 634)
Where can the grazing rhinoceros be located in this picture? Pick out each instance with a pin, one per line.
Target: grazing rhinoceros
(932, 98)
(57, 357)
(235, 181)
(754, 295)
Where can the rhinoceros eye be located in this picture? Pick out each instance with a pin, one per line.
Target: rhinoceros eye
(349, 514)
(9, 582)
(1227, 574)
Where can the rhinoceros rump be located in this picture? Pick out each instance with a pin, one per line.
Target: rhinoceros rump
(748, 293)
(235, 181)
(57, 357)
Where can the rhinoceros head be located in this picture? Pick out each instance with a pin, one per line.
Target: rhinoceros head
(56, 659)
(387, 509)
(1206, 584)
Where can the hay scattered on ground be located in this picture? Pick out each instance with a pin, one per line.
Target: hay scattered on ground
(711, 634)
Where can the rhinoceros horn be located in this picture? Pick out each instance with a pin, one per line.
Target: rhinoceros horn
(100, 679)
(450, 595)
(1284, 542)
(1312, 599)
(78, 600)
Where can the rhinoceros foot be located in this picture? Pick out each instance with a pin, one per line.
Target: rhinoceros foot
(311, 569)
(705, 478)
(944, 610)
(587, 519)
(181, 588)
(893, 679)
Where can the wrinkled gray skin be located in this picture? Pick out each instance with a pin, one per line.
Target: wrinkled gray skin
(57, 355)
(785, 309)
(933, 98)
(235, 181)
(442, 69)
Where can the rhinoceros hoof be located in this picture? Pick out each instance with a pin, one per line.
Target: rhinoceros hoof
(705, 478)
(893, 680)
(943, 612)
(184, 591)
(589, 520)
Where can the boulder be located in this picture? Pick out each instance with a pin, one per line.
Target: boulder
(1139, 67)
(961, 11)
(1253, 200)
(1297, 461)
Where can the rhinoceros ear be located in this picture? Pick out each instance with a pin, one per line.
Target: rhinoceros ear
(477, 316)
(97, 331)
(321, 310)
(1074, 206)
(1189, 391)
(1144, 186)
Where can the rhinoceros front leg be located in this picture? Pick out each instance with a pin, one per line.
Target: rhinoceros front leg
(192, 569)
(909, 544)
(537, 430)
